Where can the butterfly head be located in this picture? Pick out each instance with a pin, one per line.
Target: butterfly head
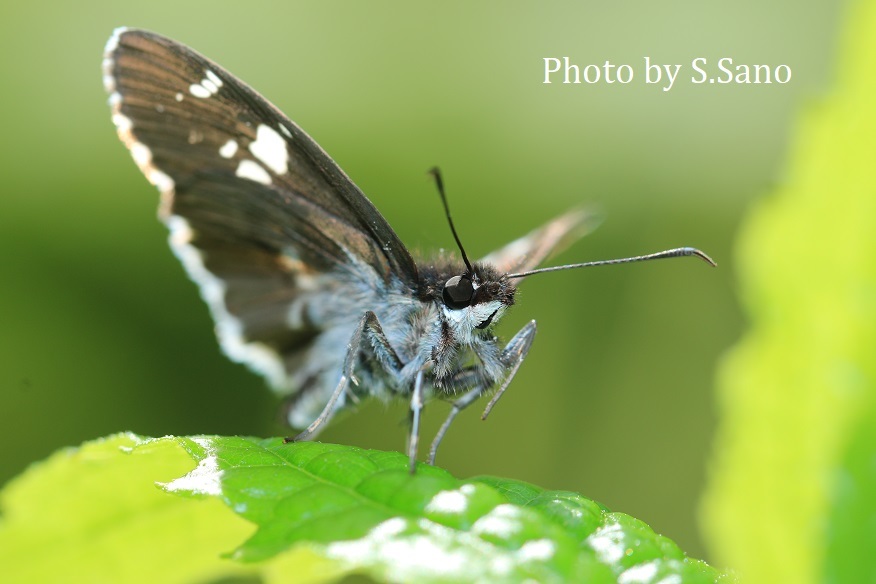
(477, 298)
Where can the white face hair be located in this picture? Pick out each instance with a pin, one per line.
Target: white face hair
(464, 322)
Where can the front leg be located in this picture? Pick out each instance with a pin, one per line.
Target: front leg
(370, 328)
(511, 357)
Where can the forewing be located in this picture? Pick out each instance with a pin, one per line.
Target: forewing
(531, 250)
(258, 212)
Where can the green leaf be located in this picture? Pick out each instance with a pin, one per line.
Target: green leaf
(308, 512)
(852, 520)
(792, 490)
(94, 512)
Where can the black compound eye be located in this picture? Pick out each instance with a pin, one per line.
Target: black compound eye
(458, 292)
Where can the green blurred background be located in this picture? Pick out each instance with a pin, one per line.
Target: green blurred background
(102, 332)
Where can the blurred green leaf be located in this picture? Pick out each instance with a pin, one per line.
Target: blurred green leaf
(93, 514)
(320, 510)
(795, 454)
(852, 523)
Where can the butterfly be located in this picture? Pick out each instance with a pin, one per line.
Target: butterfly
(306, 281)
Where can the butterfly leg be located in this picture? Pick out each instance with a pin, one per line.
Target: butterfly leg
(466, 400)
(369, 327)
(512, 356)
(416, 408)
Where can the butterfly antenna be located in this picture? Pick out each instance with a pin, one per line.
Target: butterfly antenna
(436, 174)
(669, 253)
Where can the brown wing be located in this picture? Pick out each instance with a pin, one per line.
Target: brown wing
(258, 212)
(531, 250)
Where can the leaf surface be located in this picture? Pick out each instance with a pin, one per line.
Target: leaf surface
(308, 512)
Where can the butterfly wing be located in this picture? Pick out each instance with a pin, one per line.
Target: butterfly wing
(258, 212)
(532, 249)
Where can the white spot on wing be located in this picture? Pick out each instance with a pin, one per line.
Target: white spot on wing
(208, 86)
(285, 131)
(229, 329)
(160, 180)
(253, 171)
(181, 236)
(213, 78)
(122, 122)
(178, 96)
(141, 154)
(199, 91)
(109, 82)
(228, 149)
(139, 151)
(112, 44)
(270, 148)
